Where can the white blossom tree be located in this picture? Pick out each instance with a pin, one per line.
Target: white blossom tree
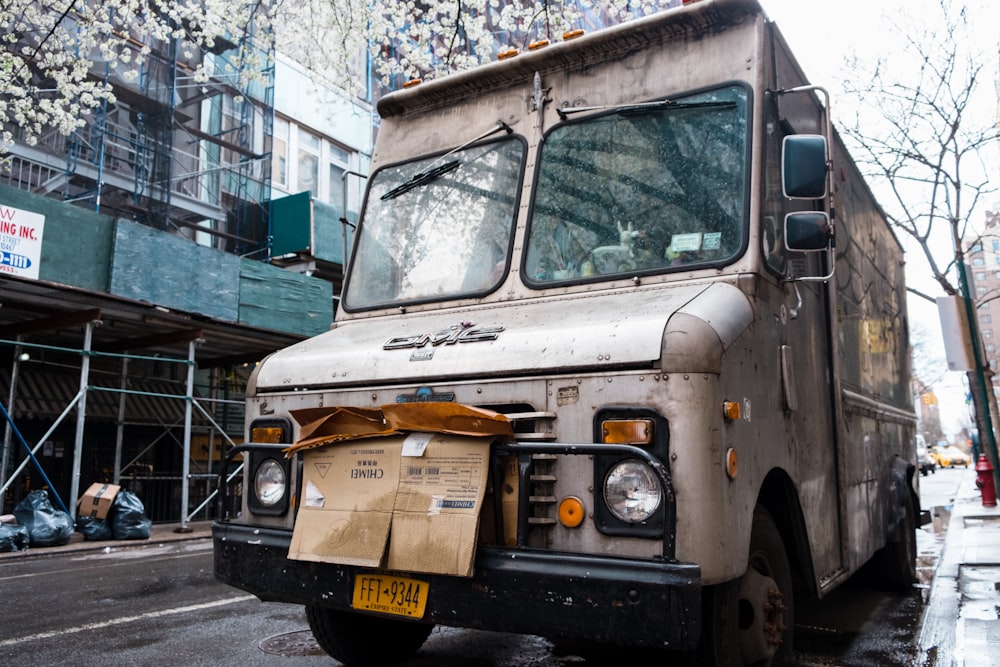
(55, 55)
(926, 134)
(410, 39)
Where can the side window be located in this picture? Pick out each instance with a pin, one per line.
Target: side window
(773, 214)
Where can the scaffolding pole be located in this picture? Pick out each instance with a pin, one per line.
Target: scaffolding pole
(81, 416)
(9, 430)
(186, 465)
(120, 426)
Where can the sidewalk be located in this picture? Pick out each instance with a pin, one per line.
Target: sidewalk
(158, 534)
(960, 625)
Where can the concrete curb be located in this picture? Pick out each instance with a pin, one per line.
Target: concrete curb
(159, 534)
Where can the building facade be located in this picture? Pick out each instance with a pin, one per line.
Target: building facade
(157, 281)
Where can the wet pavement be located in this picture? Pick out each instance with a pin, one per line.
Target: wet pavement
(958, 570)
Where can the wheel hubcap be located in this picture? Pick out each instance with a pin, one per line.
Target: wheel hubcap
(761, 617)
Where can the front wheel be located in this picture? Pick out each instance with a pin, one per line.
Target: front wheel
(359, 640)
(749, 621)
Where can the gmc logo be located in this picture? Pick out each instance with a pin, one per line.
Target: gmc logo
(465, 332)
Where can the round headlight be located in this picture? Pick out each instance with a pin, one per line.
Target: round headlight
(269, 482)
(632, 491)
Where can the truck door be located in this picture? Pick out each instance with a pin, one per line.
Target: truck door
(807, 425)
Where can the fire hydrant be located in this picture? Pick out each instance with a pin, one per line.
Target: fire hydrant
(984, 481)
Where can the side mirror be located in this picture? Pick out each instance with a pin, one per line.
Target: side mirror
(803, 166)
(808, 231)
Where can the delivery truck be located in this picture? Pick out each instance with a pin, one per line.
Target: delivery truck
(621, 355)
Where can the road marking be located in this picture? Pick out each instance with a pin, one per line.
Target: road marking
(124, 619)
(103, 565)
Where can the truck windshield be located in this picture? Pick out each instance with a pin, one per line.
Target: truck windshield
(641, 189)
(438, 227)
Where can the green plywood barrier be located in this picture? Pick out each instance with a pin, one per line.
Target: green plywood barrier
(273, 298)
(87, 250)
(150, 265)
(77, 243)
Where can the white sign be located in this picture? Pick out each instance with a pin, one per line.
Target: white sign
(20, 242)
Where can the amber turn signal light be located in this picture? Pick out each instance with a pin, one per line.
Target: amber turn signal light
(267, 434)
(571, 511)
(627, 431)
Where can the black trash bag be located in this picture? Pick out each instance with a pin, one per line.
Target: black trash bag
(13, 537)
(128, 518)
(47, 526)
(93, 528)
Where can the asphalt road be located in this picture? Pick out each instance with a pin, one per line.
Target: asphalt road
(160, 605)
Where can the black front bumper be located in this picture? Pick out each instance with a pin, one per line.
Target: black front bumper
(559, 595)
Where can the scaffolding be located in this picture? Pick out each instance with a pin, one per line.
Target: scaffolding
(178, 154)
(205, 409)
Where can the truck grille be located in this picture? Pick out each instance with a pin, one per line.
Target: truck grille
(538, 427)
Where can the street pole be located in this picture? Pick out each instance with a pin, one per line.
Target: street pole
(977, 377)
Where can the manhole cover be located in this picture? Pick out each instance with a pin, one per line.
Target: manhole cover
(291, 644)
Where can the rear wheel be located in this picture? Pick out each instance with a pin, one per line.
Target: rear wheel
(748, 621)
(896, 563)
(365, 641)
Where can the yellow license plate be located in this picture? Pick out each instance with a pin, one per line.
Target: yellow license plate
(398, 596)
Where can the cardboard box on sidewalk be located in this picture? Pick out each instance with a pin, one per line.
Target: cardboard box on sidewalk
(96, 501)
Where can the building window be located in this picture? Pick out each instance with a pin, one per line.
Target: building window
(996, 245)
(985, 319)
(340, 162)
(977, 247)
(308, 162)
(279, 153)
(990, 347)
(987, 333)
(982, 276)
(978, 261)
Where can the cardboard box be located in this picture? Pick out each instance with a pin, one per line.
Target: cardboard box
(435, 519)
(96, 501)
(407, 502)
(347, 498)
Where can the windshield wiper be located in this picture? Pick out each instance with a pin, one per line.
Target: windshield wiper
(422, 178)
(430, 174)
(644, 107)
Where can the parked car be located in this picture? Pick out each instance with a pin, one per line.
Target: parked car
(951, 456)
(925, 459)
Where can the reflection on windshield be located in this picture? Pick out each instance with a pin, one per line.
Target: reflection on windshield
(646, 190)
(426, 238)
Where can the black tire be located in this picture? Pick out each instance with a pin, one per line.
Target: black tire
(358, 640)
(749, 621)
(895, 564)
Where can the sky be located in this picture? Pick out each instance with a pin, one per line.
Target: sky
(822, 35)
